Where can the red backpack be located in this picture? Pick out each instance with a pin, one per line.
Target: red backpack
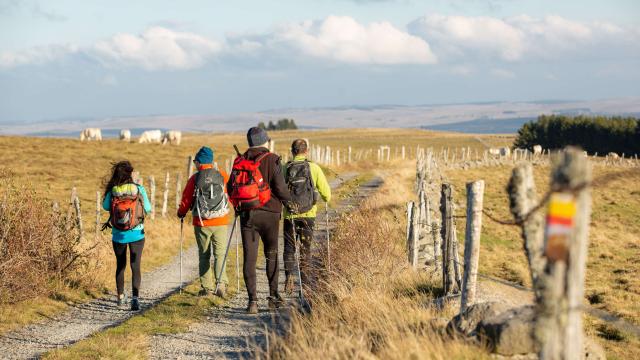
(127, 210)
(248, 189)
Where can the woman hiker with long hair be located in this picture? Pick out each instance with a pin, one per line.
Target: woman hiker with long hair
(127, 203)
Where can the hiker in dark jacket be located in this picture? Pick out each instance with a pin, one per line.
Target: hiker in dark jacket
(122, 186)
(263, 222)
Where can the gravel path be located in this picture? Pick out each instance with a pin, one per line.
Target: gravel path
(229, 331)
(82, 320)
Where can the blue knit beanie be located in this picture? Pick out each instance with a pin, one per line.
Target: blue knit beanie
(204, 155)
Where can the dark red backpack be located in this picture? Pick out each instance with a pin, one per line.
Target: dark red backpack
(248, 188)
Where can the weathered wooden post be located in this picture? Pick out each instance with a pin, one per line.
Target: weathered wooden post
(337, 157)
(414, 236)
(189, 167)
(522, 199)
(558, 326)
(70, 210)
(409, 210)
(349, 155)
(447, 231)
(475, 195)
(403, 152)
(76, 206)
(165, 195)
(98, 208)
(178, 189)
(152, 192)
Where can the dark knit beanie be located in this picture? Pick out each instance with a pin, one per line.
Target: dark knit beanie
(257, 136)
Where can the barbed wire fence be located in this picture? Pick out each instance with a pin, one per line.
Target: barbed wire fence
(553, 227)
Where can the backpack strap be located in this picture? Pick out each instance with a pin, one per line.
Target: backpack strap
(259, 159)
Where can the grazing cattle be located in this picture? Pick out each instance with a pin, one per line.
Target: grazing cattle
(125, 135)
(505, 151)
(613, 155)
(91, 134)
(173, 137)
(150, 136)
(537, 150)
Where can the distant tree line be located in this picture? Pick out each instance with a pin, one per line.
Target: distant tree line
(599, 134)
(282, 124)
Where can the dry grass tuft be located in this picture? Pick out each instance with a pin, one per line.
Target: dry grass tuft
(371, 305)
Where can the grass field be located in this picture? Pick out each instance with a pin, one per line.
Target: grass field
(52, 166)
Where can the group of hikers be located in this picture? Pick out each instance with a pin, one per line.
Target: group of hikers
(260, 190)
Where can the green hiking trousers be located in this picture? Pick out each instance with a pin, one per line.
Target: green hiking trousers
(208, 238)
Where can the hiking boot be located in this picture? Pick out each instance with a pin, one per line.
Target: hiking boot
(252, 307)
(222, 290)
(205, 292)
(289, 285)
(135, 304)
(122, 299)
(275, 302)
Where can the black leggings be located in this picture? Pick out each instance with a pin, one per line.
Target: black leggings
(262, 224)
(135, 253)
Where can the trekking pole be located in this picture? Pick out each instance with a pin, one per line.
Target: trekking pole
(237, 264)
(181, 240)
(326, 216)
(226, 253)
(304, 305)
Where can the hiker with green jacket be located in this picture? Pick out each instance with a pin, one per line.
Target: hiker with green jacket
(306, 183)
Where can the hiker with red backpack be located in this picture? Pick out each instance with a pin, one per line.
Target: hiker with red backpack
(307, 183)
(127, 203)
(205, 195)
(257, 191)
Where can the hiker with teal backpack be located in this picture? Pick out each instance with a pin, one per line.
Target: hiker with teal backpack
(307, 183)
(127, 204)
(205, 195)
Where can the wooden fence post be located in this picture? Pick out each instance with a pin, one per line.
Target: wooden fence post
(152, 191)
(409, 210)
(559, 318)
(349, 155)
(165, 196)
(475, 194)
(189, 167)
(447, 231)
(178, 189)
(98, 208)
(414, 236)
(70, 210)
(522, 199)
(76, 205)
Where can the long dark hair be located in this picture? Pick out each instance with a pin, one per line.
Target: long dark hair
(120, 174)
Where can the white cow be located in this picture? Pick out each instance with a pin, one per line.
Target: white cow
(125, 135)
(173, 137)
(537, 149)
(613, 155)
(91, 134)
(150, 136)
(494, 151)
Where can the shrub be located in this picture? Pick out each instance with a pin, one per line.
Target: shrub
(39, 252)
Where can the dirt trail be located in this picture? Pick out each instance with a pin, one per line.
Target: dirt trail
(231, 333)
(82, 320)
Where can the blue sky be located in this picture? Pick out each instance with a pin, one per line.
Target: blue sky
(66, 59)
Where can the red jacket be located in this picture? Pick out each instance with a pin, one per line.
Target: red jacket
(187, 201)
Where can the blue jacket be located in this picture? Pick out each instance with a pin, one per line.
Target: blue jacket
(137, 233)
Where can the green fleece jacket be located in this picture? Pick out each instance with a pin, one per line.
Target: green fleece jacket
(321, 184)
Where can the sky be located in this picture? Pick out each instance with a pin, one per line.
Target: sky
(63, 59)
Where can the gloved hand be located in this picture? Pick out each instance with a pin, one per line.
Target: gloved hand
(181, 216)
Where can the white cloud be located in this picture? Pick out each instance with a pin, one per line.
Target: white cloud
(36, 55)
(342, 39)
(461, 70)
(518, 38)
(157, 48)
